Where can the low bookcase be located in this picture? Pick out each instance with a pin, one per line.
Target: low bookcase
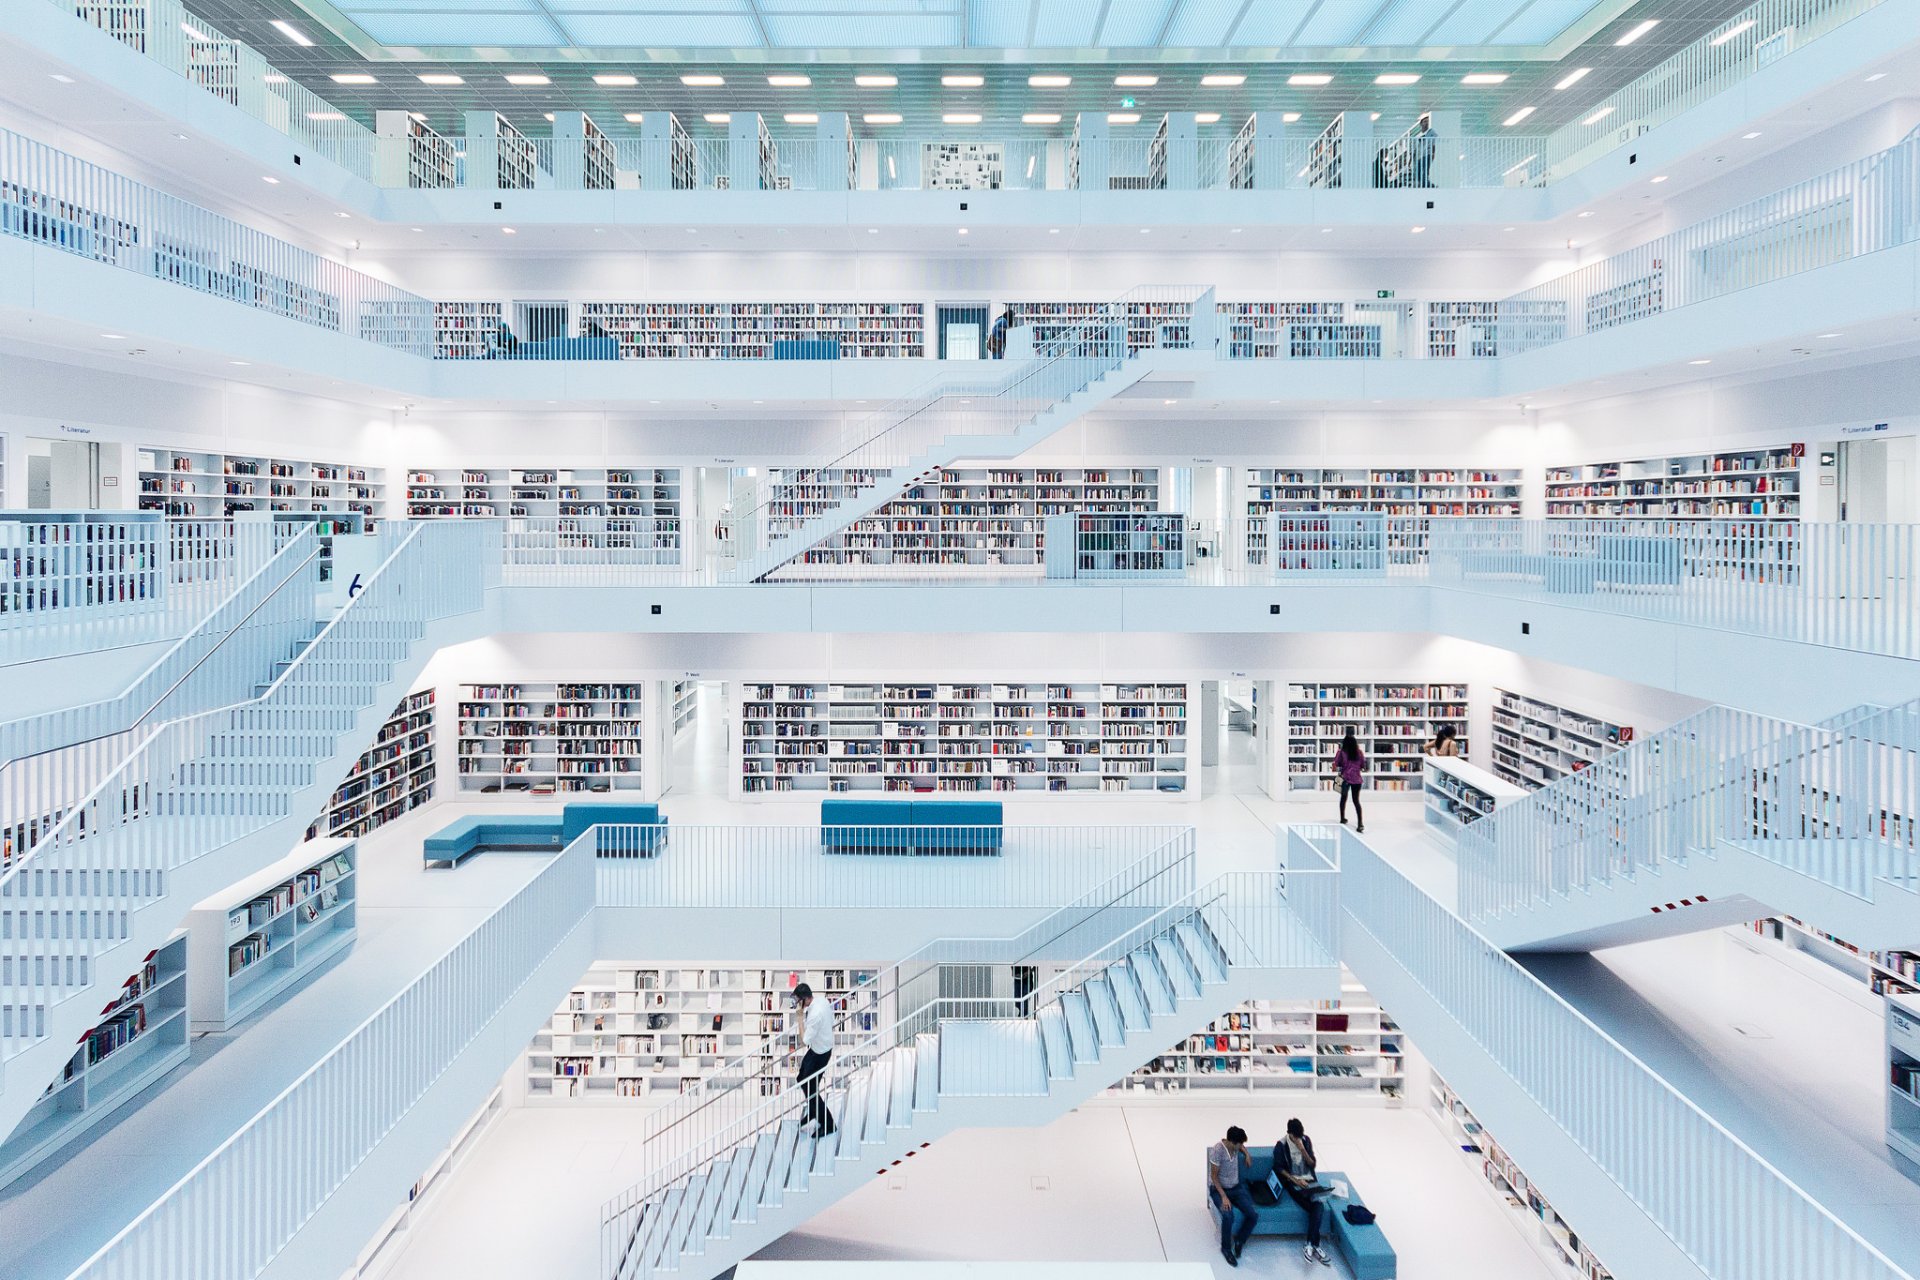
(254, 940)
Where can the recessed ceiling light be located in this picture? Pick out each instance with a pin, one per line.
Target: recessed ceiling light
(1523, 164)
(270, 180)
(352, 77)
(1699, 362)
(1730, 33)
(243, 364)
(1312, 79)
(634, 117)
(1517, 117)
(615, 81)
(180, 136)
(62, 79)
(1658, 178)
(1049, 82)
(703, 82)
(1123, 117)
(1041, 117)
(1878, 75)
(1484, 77)
(549, 117)
(1638, 31)
(1506, 228)
(960, 117)
(1418, 230)
(273, 77)
(1237, 230)
(963, 81)
(873, 231)
(114, 337)
(1397, 77)
(1136, 82)
(802, 117)
(1567, 82)
(1586, 213)
(1599, 115)
(1289, 117)
(718, 117)
(341, 213)
(1221, 80)
(876, 81)
(508, 231)
(1751, 136)
(292, 32)
(527, 80)
(417, 115)
(883, 117)
(693, 231)
(1053, 231)
(1833, 335)
(1374, 116)
(419, 228)
(790, 80)
(1207, 117)
(963, 231)
(440, 77)
(1166, 402)
(1146, 231)
(1326, 231)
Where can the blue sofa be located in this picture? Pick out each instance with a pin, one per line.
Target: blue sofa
(576, 819)
(522, 831)
(950, 828)
(1364, 1248)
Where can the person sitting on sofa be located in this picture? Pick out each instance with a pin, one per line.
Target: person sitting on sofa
(1295, 1162)
(1228, 1168)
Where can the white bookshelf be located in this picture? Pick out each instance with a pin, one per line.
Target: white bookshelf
(962, 517)
(1147, 324)
(635, 510)
(1886, 973)
(932, 737)
(467, 330)
(748, 330)
(1757, 484)
(547, 737)
(686, 705)
(1624, 303)
(1536, 742)
(253, 941)
(1392, 720)
(139, 1037)
(1551, 1234)
(124, 20)
(208, 486)
(1458, 794)
(1903, 1075)
(631, 1031)
(1482, 330)
(393, 777)
(598, 170)
(214, 65)
(404, 326)
(1345, 1045)
(1261, 330)
(1144, 545)
(1412, 495)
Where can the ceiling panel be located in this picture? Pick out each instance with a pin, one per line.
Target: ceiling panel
(1064, 23)
(658, 31)
(1473, 21)
(1338, 22)
(1542, 20)
(864, 31)
(1137, 25)
(461, 28)
(1205, 24)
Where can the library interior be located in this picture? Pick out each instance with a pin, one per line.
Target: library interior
(998, 623)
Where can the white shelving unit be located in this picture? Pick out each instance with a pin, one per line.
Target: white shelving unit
(124, 20)
(1889, 972)
(1536, 742)
(547, 737)
(467, 330)
(1393, 721)
(921, 737)
(1757, 484)
(207, 486)
(960, 518)
(1482, 330)
(632, 509)
(1349, 1045)
(256, 939)
(748, 330)
(1903, 1075)
(1145, 545)
(1459, 794)
(1412, 495)
(686, 705)
(395, 776)
(139, 1037)
(1148, 324)
(631, 1031)
(1262, 330)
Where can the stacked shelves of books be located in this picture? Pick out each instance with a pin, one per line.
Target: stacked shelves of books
(431, 163)
(1459, 794)
(404, 326)
(140, 1036)
(1323, 156)
(466, 330)
(395, 776)
(1148, 324)
(626, 508)
(1241, 155)
(631, 1031)
(1103, 546)
(683, 159)
(1392, 721)
(769, 169)
(686, 705)
(1086, 739)
(1536, 742)
(1333, 342)
(258, 938)
(1263, 330)
(1889, 972)
(1760, 484)
(1903, 1075)
(1349, 1044)
(542, 738)
(597, 168)
(74, 559)
(210, 485)
(749, 330)
(515, 162)
(960, 518)
(1482, 330)
(1637, 299)
(124, 20)
(214, 65)
(1554, 1236)
(1411, 495)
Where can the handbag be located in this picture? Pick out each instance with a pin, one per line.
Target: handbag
(1357, 1214)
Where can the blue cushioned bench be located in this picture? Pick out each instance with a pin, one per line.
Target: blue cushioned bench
(1364, 1248)
(952, 828)
(522, 831)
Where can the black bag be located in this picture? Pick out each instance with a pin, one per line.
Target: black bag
(1357, 1215)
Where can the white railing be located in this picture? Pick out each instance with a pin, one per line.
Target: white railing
(1729, 1210)
(233, 1213)
(583, 550)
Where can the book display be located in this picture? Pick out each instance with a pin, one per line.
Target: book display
(1323, 156)
(1409, 494)
(1077, 738)
(543, 737)
(1485, 330)
(757, 330)
(1349, 1044)
(686, 705)
(631, 1031)
(467, 330)
(1903, 1075)
(1761, 484)
(404, 326)
(77, 559)
(1264, 330)
(1146, 324)
(1393, 722)
(140, 1036)
(207, 486)
(1886, 973)
(1624, 303)
(962, 166)
(634, 511)
(124, 20)
(1536, 742)
(1100, 546)
(1459, 794)
(1551, 1233)
(395, 776)
(258, 938)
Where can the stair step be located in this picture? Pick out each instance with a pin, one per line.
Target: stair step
(1153, 982)
(1204, 949)
(681, 1226)
(879, 1096)
(1106, 1012)
(906, 1062)
(1081, 1036)
(758, 1169)
(926, 1071)
(1179, 969)
(801, 1166)
(667, 1211)
(827, 1145)
(727, 1211)
(708, 1205)
(786, 1141)
(1133, 1001)
(1053, 1036)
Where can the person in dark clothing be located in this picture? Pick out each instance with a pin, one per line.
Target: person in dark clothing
(1424, 143)
(997, 339)
(816, 1036)
(1349, 770)
(1227, 1169)
(1294, 1161)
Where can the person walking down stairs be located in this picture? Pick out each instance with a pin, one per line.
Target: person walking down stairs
(816, 1036)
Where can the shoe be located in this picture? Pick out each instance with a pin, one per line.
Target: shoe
(810, 1129)
(1320, 1256)
(1306, 1253)
(1360, 830)
(1343, 819)
(1233, 1259)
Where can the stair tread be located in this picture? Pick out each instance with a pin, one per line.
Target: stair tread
(1153, 982)
(668, 1212)
(1174, 963)
(1106, 1011)
(708, 1203)
(1203, 949)
(786, 1142)
(1081, 1036)
(1132, 1000)
(992, 1057)
(906, 1062)
(926, 1074)
(1053, 1036)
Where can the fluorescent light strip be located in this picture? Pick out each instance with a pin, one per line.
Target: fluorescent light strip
(789, 81)
(1222, 81)
(1207, 117)
(1314, 79)
(352, 77)
(325, 115)
(440, 77)
(1289, 117)
(1135, 82)
(527, 80)
(1516, 117)
(881, 118)
(1575, 78)
(1396, 77)
(1523, 164)
(960, 117)
(292, 33)
(1123, 117)
(703, 81)
(616, 81)
(193, 32)
(1730, 33)
(1049, 82)
(1598, 116)
(963, 81)
(1484, 77)
(802, 117)
(1041, 117)
(1637, 32)
(876, 81)
(718, 117)
(634, 117)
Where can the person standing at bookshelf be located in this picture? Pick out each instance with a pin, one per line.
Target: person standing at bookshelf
(1349, 770)
(816, 1037)
(1227, 1168)
(1445, 742)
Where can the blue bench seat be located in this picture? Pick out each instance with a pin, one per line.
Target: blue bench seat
(1362, 1246)
(464, 836)
(577, 819)
(950, 828)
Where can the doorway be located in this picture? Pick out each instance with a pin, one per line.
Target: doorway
(698, 754)
(962, 329)
(72, 475)
(1876, 479)
(1395, 320)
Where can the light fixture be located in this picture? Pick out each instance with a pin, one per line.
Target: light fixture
(1237, 230)
(1049, 82)
(1516, 117)
(1568, 81)
(1135, 82)
(1207, 117)
(1637, 32)
(442, 77)
(1523, 164)
(181, 137)
(419, 228)
(1878, 75)
(241, 364)
(1041, 117)
(616, 81)
(508, 231)
(549, 117)
(1599, 115)
(193, 32)
(1397, 77)
(876, 81)
(114, 337)
(1326, 231)
(802, 117)
(1699, 362)
(1123, 117)
(1310, 79)
(881, 117)
(1658, 178)
(325, 115)
(1484, 77)
(273, 77)
(62, 79)
(1730, 33)
(352, 77)
(527, 80)
(1418, 230)
(633, 117)
(873, 231)
(1053, 231)
(1751, 136)
(292, 32)
(341, 213)
(718, 117)
(421, 116)
(1833, 335)
(960, 117)
(1289, 117)
(703, 82)
(1146, 231)
(1166, 402)
(963, 81)
(963, 231)
(1221, 80)
(270, 180)
(790, 80)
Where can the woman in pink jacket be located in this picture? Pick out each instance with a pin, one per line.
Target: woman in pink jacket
(1349, 767)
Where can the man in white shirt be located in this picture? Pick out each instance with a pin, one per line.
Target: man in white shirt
(816, 1036)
